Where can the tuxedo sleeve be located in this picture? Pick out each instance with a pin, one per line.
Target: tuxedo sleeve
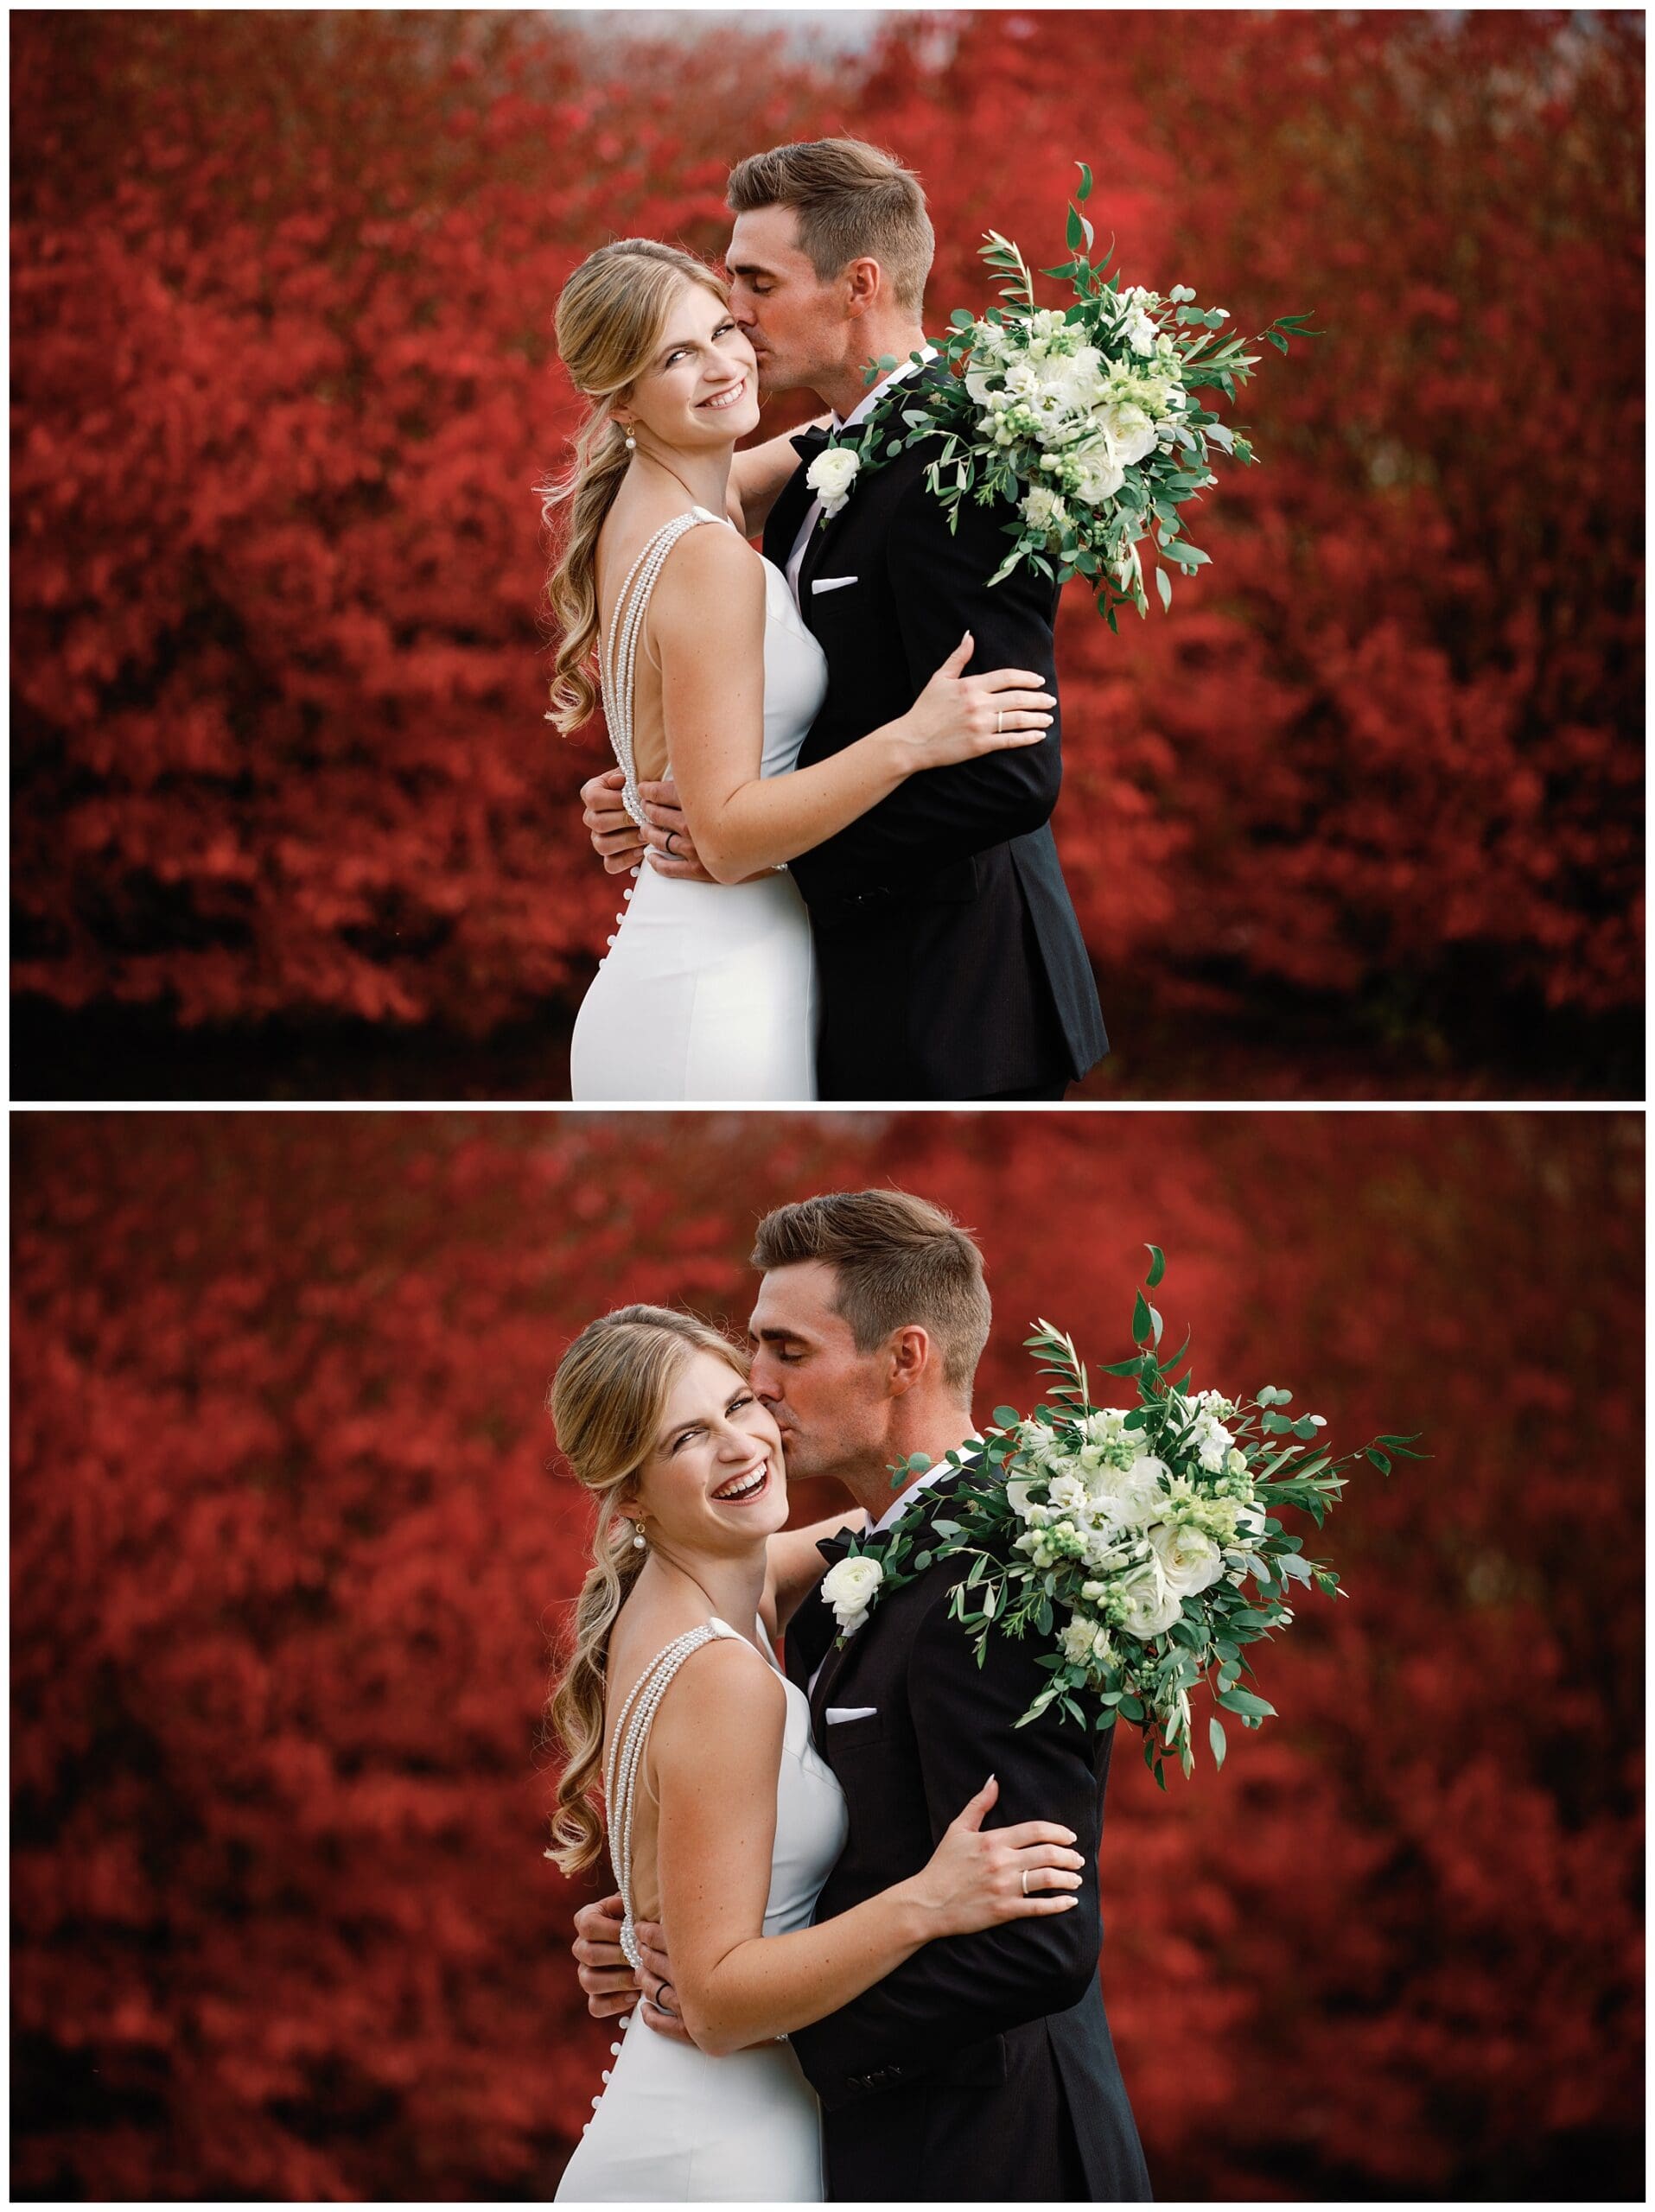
(963, 1989)
(939, 584)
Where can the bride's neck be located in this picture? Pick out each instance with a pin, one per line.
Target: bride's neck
(704, 476)
(730, 1587)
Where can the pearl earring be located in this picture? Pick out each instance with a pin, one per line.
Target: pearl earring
(638, 1543)
(631, 442)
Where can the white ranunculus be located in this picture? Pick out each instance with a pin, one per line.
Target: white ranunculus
(1190, 1560)
(1149, 1605)
(850, 1587)
(1131, 433)
(831, 476)
(1017, 1496)
(1102, 475)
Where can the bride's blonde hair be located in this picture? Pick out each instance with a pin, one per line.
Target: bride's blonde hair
(608, 1398)
(610, 316)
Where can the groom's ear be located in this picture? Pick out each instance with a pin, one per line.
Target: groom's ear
(865, 283)
(910, 1354)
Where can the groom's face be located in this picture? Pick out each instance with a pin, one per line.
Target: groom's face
(797, 324)
(829, 1400)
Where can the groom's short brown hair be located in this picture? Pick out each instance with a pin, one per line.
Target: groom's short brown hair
(899, 1260)
(851, 200)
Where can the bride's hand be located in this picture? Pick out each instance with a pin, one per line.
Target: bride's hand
(980, 1878)
(959, 717)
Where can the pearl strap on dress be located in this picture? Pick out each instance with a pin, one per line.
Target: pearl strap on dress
(626, 1753)
(618, 663)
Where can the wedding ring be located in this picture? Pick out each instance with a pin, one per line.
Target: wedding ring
(1025, 1881)
(999, 731)
(670, 837)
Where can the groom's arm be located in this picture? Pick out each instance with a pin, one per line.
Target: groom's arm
(940, 584)
(964, 1989)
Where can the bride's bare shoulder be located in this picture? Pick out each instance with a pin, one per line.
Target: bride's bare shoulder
(724, 1693)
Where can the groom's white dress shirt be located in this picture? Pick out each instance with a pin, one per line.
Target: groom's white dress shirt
(858, 414)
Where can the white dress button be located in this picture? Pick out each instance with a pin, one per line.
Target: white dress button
(605, 2072)
(626, 894)
(608, 940)
(614, 2051)
(632, 871)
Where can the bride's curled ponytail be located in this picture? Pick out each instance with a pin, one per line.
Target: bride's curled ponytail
(610, 317)
(608, 1398)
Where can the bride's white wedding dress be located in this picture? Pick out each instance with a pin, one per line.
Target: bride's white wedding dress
(674, 2126)
(708, 989)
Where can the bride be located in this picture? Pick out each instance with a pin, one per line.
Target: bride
(708, 675)
(724, 1821)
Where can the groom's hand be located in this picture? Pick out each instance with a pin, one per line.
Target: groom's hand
(611, 1986)
(623, 846)
(616, 837)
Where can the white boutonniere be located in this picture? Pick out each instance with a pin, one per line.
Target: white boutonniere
(852, 1586)
(831, 475)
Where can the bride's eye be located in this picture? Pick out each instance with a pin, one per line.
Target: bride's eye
(736, 1404)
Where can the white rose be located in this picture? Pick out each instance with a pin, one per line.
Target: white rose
(1017, 1496)
(831, 476)
(1133, 1494)
(1191, 1561)
(1149, 1606)
(1131, 434)
(850, 1587)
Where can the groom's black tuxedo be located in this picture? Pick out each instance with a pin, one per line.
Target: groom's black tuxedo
(951, 961)
(981, 2070)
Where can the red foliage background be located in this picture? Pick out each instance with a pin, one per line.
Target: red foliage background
(282, 295)
(287, 1538)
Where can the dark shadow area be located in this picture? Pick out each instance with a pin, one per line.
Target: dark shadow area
(1304, 1049)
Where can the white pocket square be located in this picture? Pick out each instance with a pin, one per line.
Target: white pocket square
(832, 583)
(849, 1713)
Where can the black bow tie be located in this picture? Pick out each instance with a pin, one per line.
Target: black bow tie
(833, 1548)
(808, 442)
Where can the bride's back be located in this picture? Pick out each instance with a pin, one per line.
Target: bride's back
(627, 529)
(649, 1623)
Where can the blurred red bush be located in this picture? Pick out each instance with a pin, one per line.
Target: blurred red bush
(285, 1545)
(282, 297)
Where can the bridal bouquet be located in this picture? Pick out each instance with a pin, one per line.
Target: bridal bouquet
(1086, 417)
(1145, 1548)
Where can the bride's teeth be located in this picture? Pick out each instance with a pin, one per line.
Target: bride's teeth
(743, 1489)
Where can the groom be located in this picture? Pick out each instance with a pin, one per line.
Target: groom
(982, 2068)
(951, 963)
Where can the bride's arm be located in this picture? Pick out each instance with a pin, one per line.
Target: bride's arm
(793, 1566)
(715, 1751)
(757, 475)
(706, 619)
